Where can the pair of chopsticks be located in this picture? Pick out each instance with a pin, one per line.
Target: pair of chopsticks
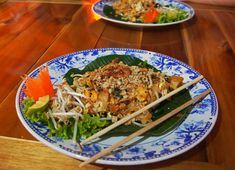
(149, 125)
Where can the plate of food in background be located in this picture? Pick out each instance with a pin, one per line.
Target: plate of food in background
(70, 98)
(144, 13)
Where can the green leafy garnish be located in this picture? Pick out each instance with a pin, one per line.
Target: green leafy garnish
(91, 124)
(27, 102)
(172, 15)
(109, 11)
(87, 126)
(64, 131)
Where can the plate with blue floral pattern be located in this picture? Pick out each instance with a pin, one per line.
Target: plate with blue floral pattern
(197, 125)
(98, 9)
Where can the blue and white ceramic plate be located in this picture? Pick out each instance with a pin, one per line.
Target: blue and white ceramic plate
(189, 133)
(98, 7)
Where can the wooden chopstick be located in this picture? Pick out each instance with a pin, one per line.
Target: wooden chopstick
(145, 129)
(128, 117)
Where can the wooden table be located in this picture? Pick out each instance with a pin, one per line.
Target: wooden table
(32, 33)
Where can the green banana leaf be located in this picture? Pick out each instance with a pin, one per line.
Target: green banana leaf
(110, 12)
(162, 109)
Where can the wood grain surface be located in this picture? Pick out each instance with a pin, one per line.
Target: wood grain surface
(42, 157)
(33, 33)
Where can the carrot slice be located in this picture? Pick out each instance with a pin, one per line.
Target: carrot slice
(39, 86)
(151, 16)
(46, 82)
(33, 88)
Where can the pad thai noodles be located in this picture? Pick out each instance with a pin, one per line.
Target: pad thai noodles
(106, 94)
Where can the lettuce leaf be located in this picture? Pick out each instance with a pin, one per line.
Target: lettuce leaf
(87, 126)
(27, 102)
(90, 125)
(172, 16)
(64, 131)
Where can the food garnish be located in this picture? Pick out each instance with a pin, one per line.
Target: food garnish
(39, 86)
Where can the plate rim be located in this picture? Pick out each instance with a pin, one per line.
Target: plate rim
(143, 24)
(111, 162)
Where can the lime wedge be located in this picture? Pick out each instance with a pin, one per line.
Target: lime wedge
(40, 105)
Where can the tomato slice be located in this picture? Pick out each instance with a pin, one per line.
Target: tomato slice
(151, 15)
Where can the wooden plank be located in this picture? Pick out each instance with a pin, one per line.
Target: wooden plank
(62, 44)
(118, 36)
(226, 23)
(33, 155)
(198, 6)
(10, 124)
(15, 18)
(2, 1)
(82, 33)
(204, 42)
(18, 56)
(167, 40)
(26, 154)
